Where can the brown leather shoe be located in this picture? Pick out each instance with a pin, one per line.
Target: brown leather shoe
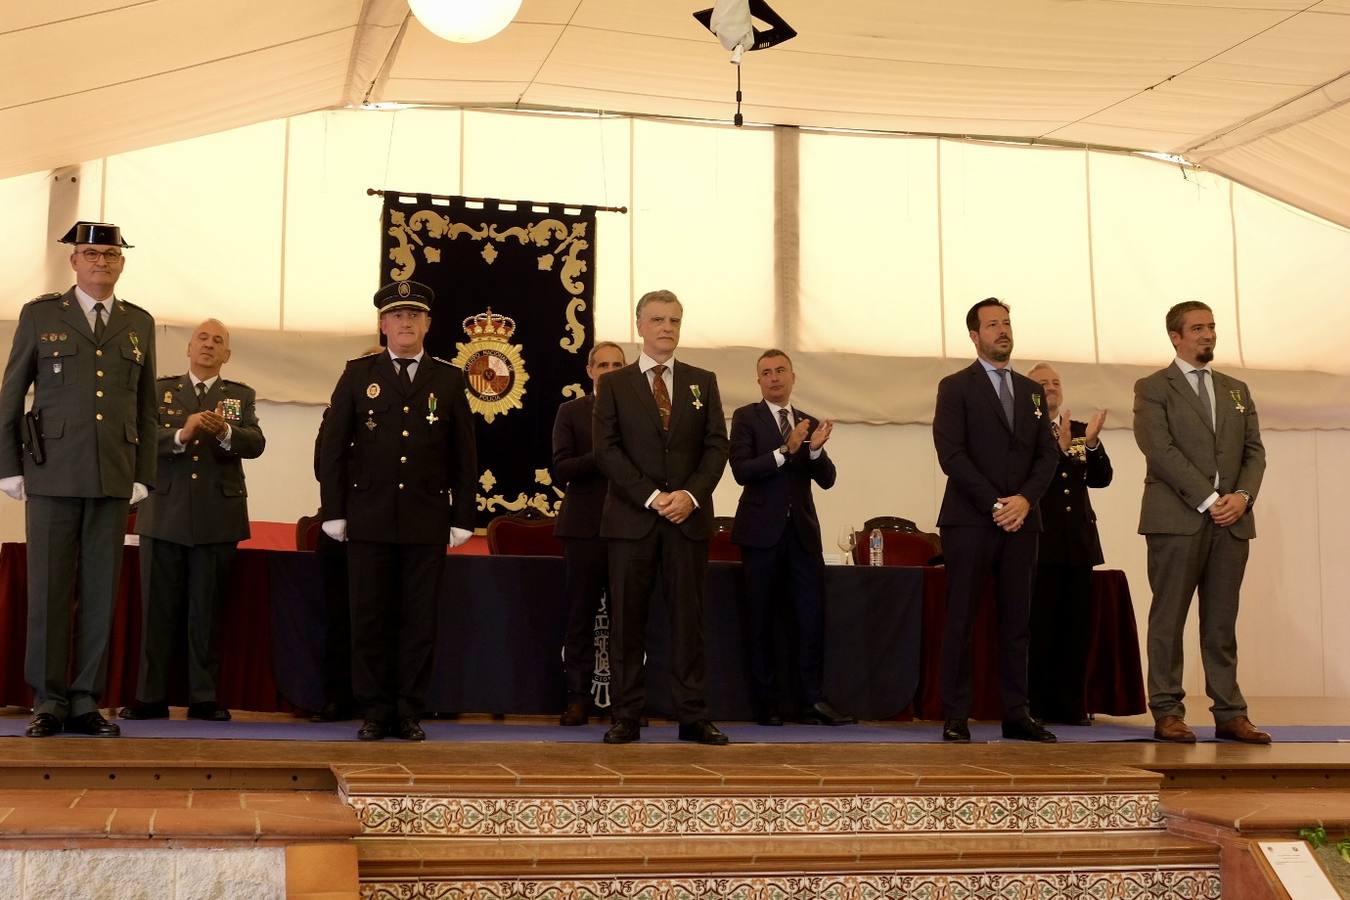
(1174, 730)
(1240, 728)
(575, 714)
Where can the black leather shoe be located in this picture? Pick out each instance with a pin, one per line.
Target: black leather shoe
(43, 725)
(92, 724)
(772, 720)
(704, 732)
(332, 711)
(822, 713)
(1027, 729)
(371, 730)
(139, 710)
(574, 714)
(623, 731)
(956, 730)
(410, 730)
(208, 711)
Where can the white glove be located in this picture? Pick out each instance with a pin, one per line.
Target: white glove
(138, 492)
(13, 485)
(458, 536)
(335, 529)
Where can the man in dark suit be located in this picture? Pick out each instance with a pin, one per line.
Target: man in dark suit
(1202, 443)
(191, 523)
(398, 471)
(1061, 608)
(776, 452)
(90, 452)
(586, 564)
(661, 441)
(993, 440)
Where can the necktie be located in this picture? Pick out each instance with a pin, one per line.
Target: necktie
(1205, 405)
(661, 395)
(784, 428)
(99, 324)
(1005, 394)
(404, 379)
(201, 395)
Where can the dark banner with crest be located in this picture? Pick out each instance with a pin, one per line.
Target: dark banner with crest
(514, 309)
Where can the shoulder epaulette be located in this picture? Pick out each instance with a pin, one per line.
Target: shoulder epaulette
(170, 377)
(235, 383)
(133, 306)
(54, 295)
(446, 361)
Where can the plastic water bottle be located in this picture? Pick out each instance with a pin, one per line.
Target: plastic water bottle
(875, 542)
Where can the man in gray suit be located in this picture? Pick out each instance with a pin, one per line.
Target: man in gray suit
(84, 452)
(191, 523)
(1200, 437)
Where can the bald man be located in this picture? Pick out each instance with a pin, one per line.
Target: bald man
(192, 521)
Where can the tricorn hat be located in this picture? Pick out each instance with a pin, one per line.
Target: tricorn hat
(404, 295)
(94, 233)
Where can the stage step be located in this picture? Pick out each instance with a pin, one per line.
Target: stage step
(1136, 865)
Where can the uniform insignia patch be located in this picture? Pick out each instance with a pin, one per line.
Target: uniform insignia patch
(373, 390)
(232, 408)
(168, 397)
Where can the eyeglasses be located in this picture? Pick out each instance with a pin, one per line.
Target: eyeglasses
(92, 256)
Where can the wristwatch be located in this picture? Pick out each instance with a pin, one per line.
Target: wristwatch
(1246, 496)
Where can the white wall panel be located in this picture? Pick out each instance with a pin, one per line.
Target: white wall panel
(703, 228)
(869, 245)
(1159, 236)
(23, 252)
(1014, 227)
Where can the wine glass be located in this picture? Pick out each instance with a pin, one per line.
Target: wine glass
(847, 540)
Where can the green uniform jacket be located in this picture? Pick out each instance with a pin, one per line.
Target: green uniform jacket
(96, 399)
(200, 496)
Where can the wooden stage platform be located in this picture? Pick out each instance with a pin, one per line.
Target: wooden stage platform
(495, 820)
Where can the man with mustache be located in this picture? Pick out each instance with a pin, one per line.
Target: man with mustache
(992, 434)
(1201, 440)
(88, 453)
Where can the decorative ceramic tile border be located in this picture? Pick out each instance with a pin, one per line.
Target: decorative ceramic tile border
(477, 817)
(1173, 884)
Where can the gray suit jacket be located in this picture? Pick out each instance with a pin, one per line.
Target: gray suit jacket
(96, 399)
(1183, 452)
(200, 497)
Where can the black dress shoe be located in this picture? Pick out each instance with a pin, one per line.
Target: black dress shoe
(92, 724)
(623, 731)
(1027, 729)
(822, 713)
(770, 719)
(43, 725)
(410, 730)
(956, 730)
(704, 732)
(208, 711)
(574, 714)
(139, 710)
(332, 711)
(371, 730)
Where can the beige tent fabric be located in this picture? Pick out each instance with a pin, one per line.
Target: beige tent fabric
(1252, 87)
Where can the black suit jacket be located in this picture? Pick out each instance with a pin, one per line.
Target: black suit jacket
(771, 490)
(638, 457)
(199, 495)
(385, 468)
(576, 471)
(985, 459)
(1068, 524)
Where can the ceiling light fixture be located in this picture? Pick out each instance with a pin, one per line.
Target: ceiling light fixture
(464, 21)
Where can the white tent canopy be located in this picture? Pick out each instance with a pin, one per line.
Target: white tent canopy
(1252, 89)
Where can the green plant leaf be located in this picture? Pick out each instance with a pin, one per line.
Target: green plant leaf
(1315, 836)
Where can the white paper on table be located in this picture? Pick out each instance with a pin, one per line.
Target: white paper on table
(1298, 870)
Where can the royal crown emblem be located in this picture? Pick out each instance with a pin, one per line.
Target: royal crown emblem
(493, 366)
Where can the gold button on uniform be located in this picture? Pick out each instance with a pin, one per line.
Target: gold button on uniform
(400, 487)
(405, 433)
(98, 416)
(99, 373)
(194, 476)
(98, 352)
(1066, 490)
(1068, 509)
(403, 459)
(1063, 474)
(194, 459)
(405, 409)
(98, 393)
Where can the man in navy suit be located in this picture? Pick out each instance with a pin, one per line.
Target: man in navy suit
(776, 452)
(991, 428)
(661, 441)
(585, 572)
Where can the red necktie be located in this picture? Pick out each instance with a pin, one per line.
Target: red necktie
(662, 395)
